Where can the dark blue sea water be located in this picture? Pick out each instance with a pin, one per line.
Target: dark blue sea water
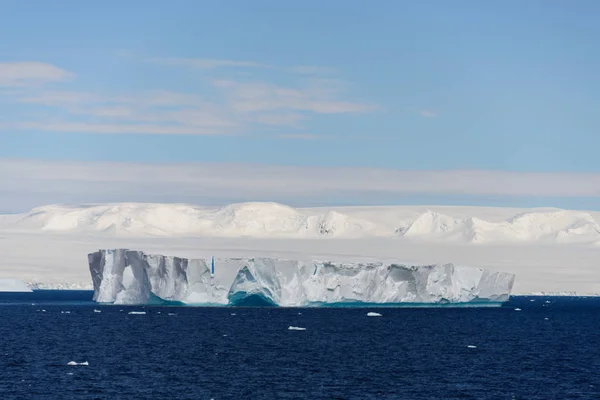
(548, 350)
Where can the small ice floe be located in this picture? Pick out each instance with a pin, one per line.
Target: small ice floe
(232, 313)
(295, 328)
(65, 312)
(69, 373)
(299, 313)
(97, 310)
(470, 346)
(532, 300)
(158, 312)
(517, 309)
(43, 310)
(373, 314)
(76, 363)
(136, 312)
(546, 319)
(224, 335)
(548, 302)
(172, 313)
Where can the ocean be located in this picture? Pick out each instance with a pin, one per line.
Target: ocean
(549, 349)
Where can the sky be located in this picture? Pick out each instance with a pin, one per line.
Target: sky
(305, 103)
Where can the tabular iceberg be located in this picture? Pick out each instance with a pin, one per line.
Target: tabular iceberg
(123, 276)
(13, 285)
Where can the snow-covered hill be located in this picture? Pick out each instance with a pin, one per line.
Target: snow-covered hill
(273, 220)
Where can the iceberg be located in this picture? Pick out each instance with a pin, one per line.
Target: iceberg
(122, 276)
(13, 285)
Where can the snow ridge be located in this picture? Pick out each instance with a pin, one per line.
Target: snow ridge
(274, 220)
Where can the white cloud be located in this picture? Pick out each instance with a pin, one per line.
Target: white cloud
(27, 183)
(239, 106)
(281, 119)
(311, 70)
(59, 98)
(424, 112)
(167, 113)
(227, 107)
(205, 63)
(26, 73)
(90, 127)
(211, 63)
(300, 136)
(257, 97)
(427, 114)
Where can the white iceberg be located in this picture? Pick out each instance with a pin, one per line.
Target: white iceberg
(132, 277)
(76, 363)
(13, 285)
(295, 328)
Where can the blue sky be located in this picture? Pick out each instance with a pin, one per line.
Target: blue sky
(506, 86)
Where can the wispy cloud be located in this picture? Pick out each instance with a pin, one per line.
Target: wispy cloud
(212, 63)
(153, 112)
(427, 114)
(56, 181)
(282, 119)
(205, 63)
(58, 98)
(256, 97)
(311, 70)
(424, 112)
(90, 127)
(302, 136)
(26, 73)
(226, 107)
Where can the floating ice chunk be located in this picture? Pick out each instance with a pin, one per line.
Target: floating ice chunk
(172, 313)
(76, 363)
(69, 373)
(43, 310)
(373, 314)
(517, 309)
(136, 312)
(471, 346)
(97, 311)
(295, 328)
(233, 313)
(548, 302)
(546, 319)
(65, 312)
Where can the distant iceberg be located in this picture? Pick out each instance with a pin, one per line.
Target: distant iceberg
(13, 285)
(123, 276)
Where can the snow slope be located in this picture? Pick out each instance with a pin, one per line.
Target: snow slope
(131, 277)
(273, 220)
(549, 250)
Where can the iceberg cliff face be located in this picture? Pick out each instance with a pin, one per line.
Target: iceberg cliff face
(132, 277)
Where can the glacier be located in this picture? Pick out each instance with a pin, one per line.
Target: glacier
(122, 276)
